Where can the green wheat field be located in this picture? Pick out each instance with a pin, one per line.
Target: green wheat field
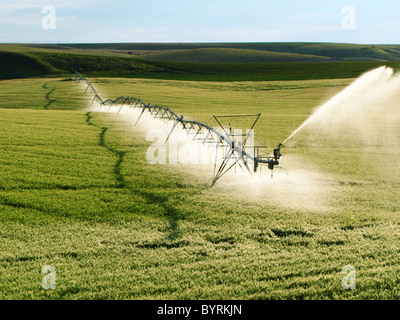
(77, 193)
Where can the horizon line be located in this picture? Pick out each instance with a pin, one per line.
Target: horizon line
(199, 42)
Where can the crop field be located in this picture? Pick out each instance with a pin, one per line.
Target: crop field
(77, 193)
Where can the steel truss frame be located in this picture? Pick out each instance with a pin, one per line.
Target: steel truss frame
(234, 154)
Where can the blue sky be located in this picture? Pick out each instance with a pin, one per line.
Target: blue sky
(201, 21)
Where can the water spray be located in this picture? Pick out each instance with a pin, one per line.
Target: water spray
(378, 80)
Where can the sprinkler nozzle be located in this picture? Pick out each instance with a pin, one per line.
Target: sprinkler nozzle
(277, 153)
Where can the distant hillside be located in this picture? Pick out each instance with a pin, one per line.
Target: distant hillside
(230, 55)
(173, 51)
(20, 62)
(17, 65)
(211, 63)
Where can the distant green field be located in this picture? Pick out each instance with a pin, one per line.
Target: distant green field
(196, 63)
(339, 51)
(77, 193)
(230, 55)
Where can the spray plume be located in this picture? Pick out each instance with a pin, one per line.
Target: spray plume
(364, 97)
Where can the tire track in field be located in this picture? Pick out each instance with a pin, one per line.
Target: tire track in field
(49, 101)
(119, 177)
(171, 213)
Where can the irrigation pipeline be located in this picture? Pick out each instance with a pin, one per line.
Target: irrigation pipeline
(248, 158)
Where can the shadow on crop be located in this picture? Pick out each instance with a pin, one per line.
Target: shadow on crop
(172, 214)
(48, 99)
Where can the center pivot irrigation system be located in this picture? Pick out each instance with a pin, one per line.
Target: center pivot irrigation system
(234, 152)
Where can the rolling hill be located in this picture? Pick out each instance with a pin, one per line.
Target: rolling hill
(201, 61)
(335, 51)
(230, 55)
